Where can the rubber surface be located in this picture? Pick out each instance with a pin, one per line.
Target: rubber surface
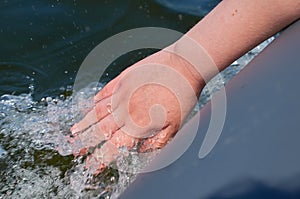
(257, 155)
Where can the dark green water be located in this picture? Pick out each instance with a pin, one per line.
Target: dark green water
(42, 46)
(48, 40)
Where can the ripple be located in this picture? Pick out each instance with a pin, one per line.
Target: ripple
(19, 77)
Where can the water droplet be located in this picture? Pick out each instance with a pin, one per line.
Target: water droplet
(124, 151)
(87, 28)
(99, 155)
(113, 179)
(162, 135)
(180, 17)
(2, 153)
(108, 134)
(109, 108)
(48, 99)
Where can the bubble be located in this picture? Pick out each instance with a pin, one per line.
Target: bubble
(124, 151)
(109, 108)
(107, 134)
(3, 153)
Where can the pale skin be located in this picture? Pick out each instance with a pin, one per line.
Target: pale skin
(226, 33)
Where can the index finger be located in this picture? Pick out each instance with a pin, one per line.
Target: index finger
(98, 112)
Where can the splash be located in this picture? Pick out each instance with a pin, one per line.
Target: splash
(30, 133)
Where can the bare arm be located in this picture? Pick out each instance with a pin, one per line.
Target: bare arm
(236, 26)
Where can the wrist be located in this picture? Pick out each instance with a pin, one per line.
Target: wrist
(169, 57)
(193, 58)
(185, 69)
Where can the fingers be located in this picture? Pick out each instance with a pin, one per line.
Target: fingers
(94, 135)
(109, 151)
(158, 141)
(107, 90)
(98, 112)
(101, 157)
(89, 138)
(121, 139)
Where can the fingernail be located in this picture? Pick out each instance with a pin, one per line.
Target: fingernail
(74, 129)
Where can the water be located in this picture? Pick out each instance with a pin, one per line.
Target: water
(2, 153)
(42, 46)
(31, 131)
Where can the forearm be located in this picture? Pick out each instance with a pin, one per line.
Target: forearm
(226, 33)
(236, 26)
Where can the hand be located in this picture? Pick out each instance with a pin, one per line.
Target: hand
(144, 106)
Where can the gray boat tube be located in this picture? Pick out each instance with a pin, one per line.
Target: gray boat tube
(257, 154)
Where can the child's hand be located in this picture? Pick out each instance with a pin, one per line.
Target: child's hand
(145, 104)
